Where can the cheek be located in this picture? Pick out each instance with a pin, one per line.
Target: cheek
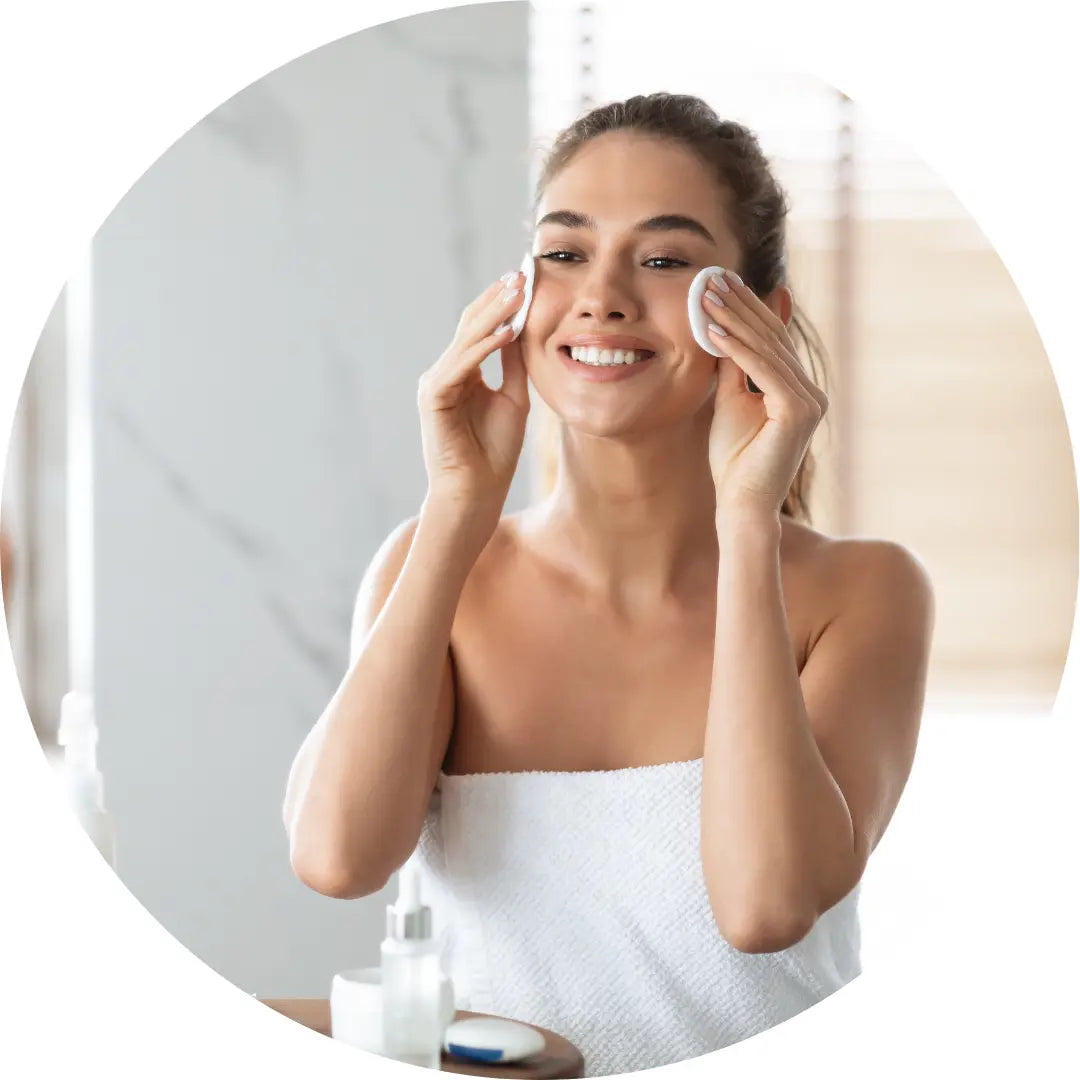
(542, 321)
(682, 334)
(667, 312)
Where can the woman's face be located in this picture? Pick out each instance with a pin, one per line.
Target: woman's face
(601, 274)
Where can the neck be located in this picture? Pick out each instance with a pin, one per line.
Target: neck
(636, 519)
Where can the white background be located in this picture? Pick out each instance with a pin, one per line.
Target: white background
(983, 975)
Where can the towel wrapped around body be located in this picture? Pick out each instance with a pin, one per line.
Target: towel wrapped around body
(576, 901)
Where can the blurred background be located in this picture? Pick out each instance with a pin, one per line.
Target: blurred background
(218, 426)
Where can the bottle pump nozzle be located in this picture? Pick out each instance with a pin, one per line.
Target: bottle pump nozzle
(409, 919)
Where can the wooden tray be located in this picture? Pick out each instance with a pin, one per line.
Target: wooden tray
(559, 1058)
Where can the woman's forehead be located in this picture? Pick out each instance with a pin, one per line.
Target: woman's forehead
(619, 182)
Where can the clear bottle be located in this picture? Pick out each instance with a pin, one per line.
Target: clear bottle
(79, 773)
(411, 979)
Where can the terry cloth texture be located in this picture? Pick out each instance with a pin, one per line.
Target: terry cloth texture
(576, 901)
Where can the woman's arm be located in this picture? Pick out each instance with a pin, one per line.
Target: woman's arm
(361, 782)
(360, 786)
(801, 775)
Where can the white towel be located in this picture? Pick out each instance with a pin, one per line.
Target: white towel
(576, 901)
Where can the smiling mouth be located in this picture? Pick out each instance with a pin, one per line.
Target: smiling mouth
(593, 356)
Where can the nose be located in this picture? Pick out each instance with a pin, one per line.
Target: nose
(603, 294)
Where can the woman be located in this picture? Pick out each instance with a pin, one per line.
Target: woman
(644, 735)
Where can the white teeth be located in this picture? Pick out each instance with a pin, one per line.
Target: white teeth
(607, 357)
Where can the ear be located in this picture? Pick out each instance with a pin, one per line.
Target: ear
(780, 303)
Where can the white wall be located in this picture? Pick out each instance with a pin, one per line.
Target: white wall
(266, 297)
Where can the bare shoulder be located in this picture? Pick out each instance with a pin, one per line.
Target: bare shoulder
(379, 579)
(388, 560)
(870, 568)
(858, 573)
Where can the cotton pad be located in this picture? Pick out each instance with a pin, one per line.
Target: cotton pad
(528, 268)
(491, 1039)
(699, 320)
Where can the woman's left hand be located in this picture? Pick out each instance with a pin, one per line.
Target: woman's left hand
(757, 440)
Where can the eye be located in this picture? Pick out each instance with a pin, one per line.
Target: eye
(673, 262)
(668, 259)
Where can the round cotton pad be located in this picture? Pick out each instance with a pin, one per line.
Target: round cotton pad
(528, 268)
(490, 1039)
(699, 319)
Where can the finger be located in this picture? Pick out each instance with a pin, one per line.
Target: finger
(757, 312)
(734, 319)
(481, 303)
(481, 329)
(721, 313)
(507, 287)
(515, 379)
(499, 308)
(769, 327)
(445, 381)
(464, 362)
(487, 329)
(773, 377)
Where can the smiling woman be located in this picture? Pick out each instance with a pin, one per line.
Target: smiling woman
(642, 737)
(741, 212)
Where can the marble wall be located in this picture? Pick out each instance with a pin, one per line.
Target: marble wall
(266, 297)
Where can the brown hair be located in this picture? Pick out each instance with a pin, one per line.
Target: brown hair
(757, 208)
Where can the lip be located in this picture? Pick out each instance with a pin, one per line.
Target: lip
(607, 341)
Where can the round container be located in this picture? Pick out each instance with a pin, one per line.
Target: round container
(356, 1007)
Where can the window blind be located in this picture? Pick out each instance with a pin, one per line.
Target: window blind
(595, 52)
(945, 430)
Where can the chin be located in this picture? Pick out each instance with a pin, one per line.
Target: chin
(612, 420)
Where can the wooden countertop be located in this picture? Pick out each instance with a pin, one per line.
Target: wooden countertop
(559, 1058)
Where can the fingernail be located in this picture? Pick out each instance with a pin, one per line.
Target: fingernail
(734, 277)
(507, 278)
(717, 329)
(710, 295)
(719, 282)
(508, 296)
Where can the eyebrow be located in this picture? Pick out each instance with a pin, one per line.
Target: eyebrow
(573, 219)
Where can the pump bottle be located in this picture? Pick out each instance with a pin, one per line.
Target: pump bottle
(411, 979)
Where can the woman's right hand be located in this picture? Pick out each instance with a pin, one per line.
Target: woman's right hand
(472, 435)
